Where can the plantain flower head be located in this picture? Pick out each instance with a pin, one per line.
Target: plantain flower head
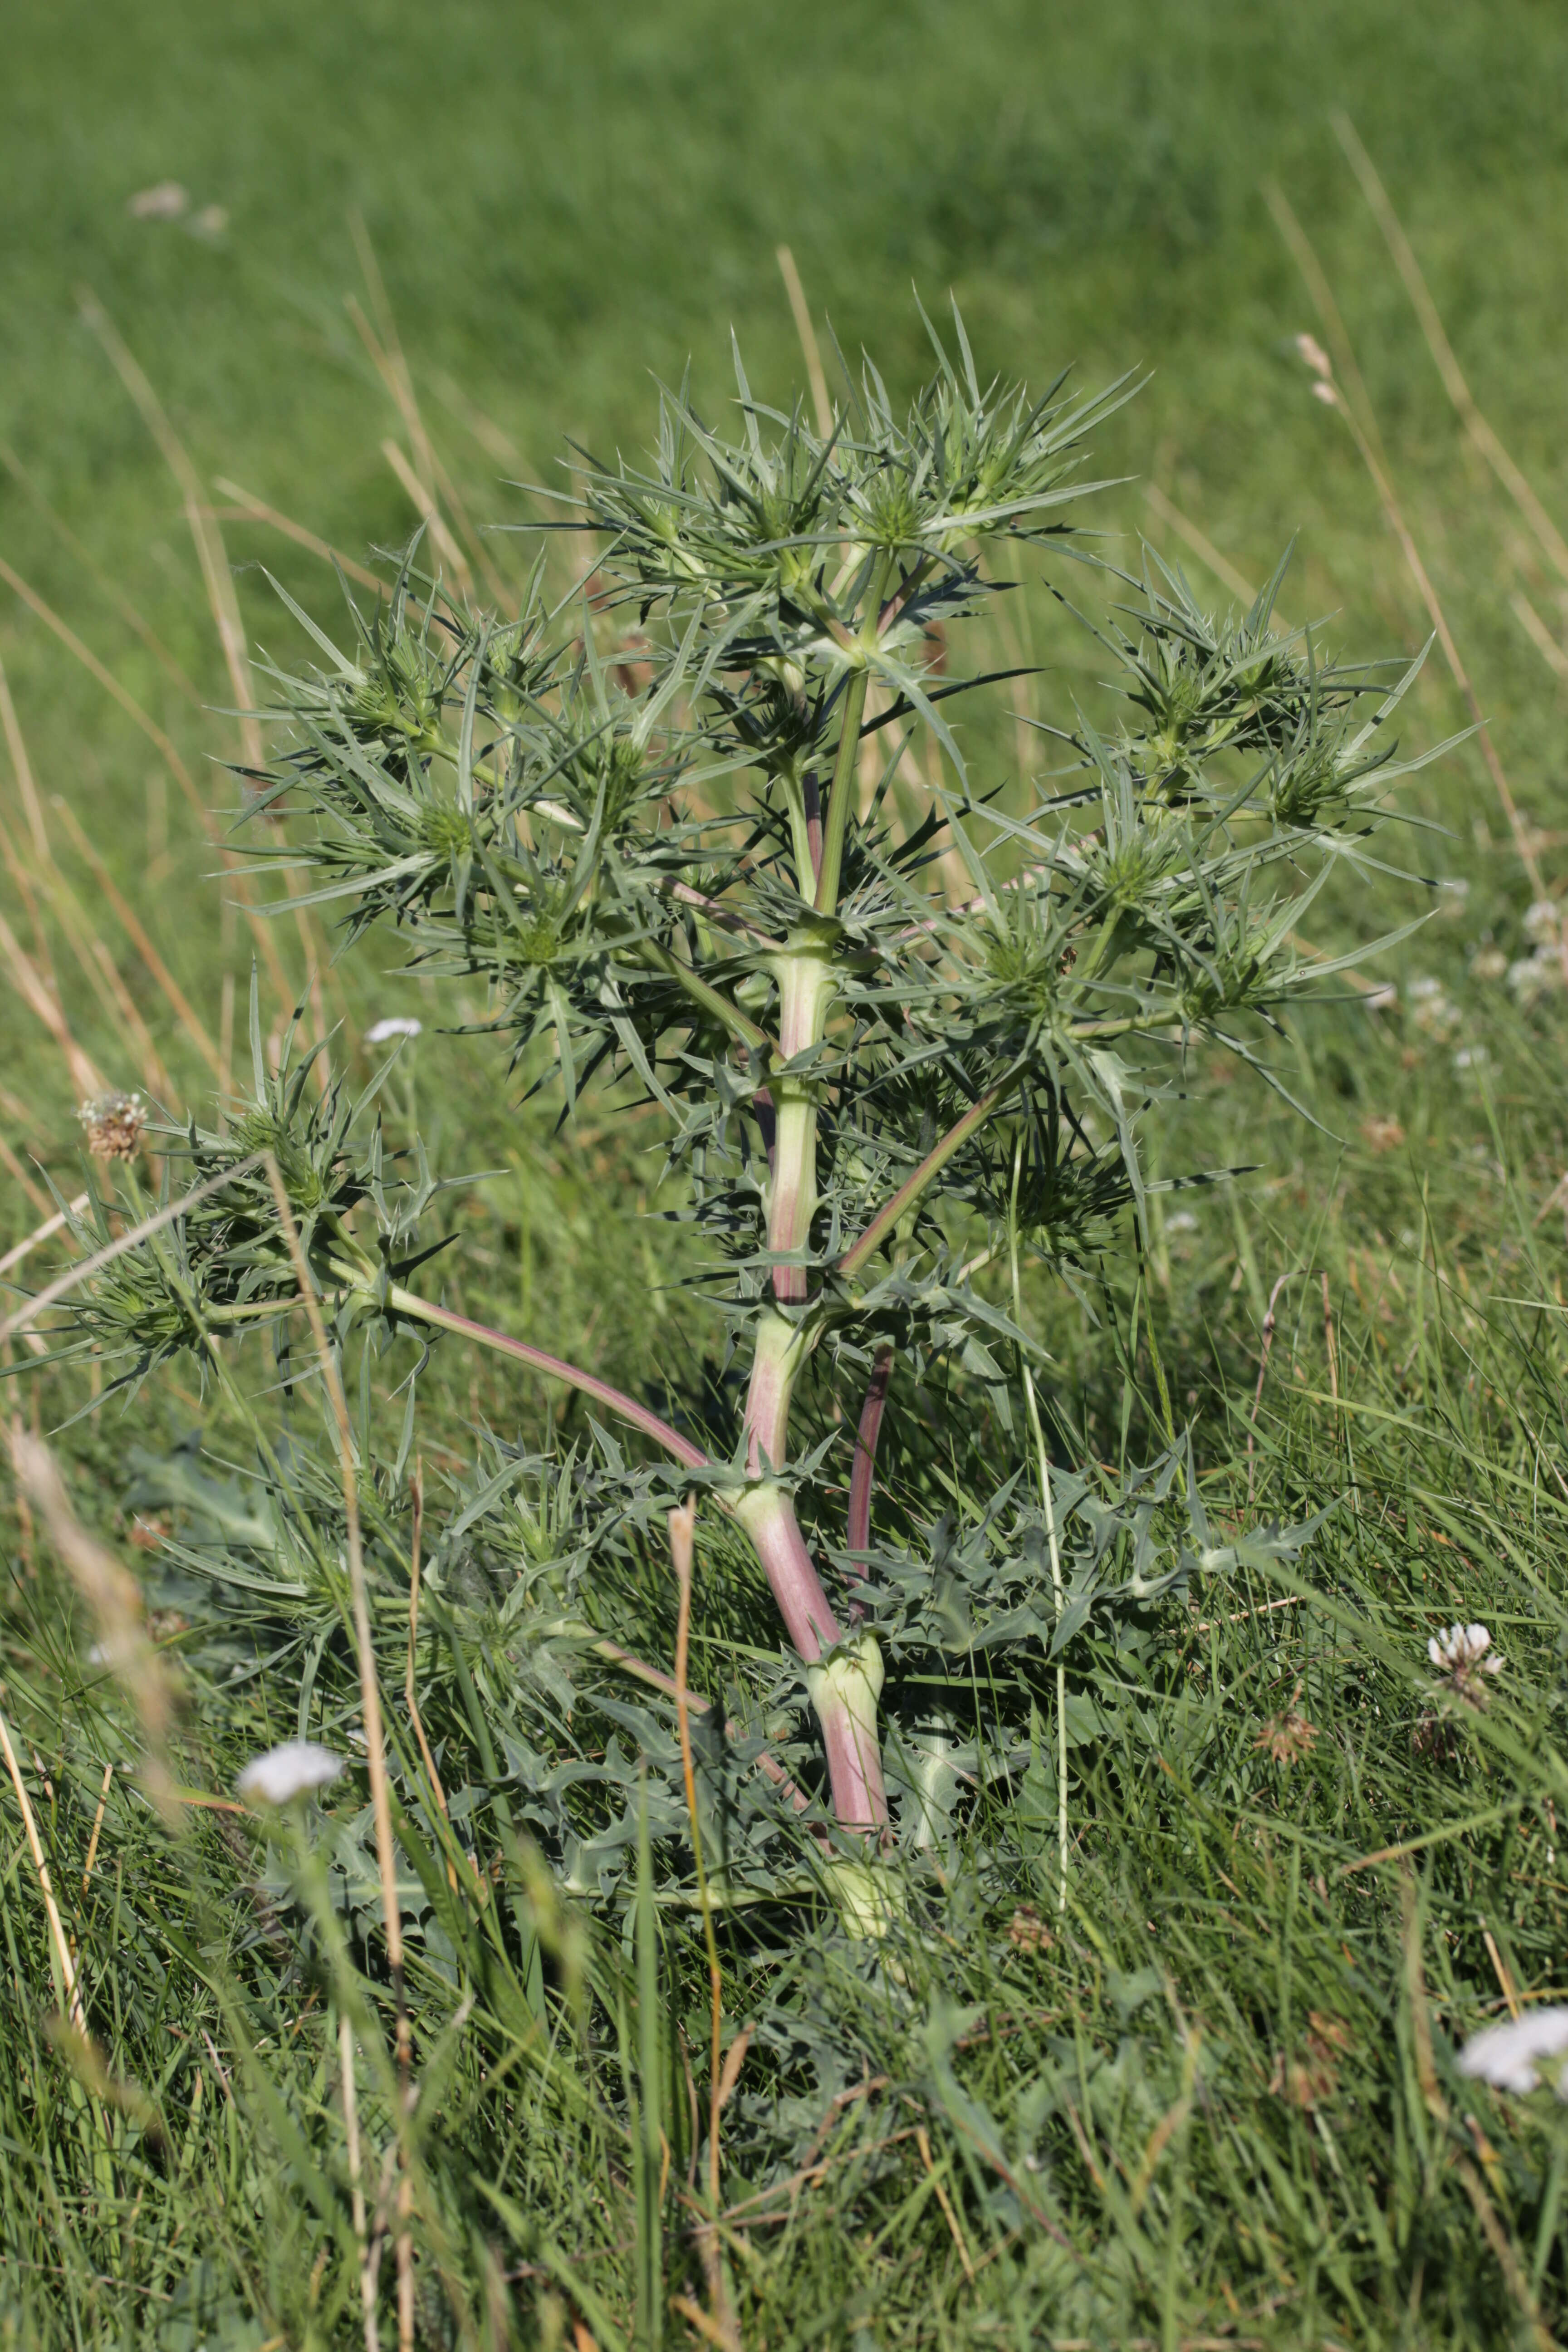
(115, 1124)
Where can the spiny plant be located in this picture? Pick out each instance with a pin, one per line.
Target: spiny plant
(903, 1023)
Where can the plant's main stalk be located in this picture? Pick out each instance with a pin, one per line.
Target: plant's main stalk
(805, 984)
(847, 1681)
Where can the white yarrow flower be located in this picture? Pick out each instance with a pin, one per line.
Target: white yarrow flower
(1505, 2055)
(296, 1770)
(397, 1025)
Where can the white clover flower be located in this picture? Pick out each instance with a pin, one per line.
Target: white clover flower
(1505, 2055)
(1184, 1222)
(295, 1769)
(397, 1025)
(1461, 1654)
(1421, 991)
(1542, 922)
(1460, 1646)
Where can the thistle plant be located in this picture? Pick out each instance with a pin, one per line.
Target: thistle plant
(706, 825)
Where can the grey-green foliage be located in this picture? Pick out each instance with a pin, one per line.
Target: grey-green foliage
(639, 817)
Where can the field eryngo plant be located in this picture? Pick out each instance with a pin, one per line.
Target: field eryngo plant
(902, 1019)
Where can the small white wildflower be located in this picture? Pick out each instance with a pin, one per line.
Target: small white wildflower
(1379, 1000)
(1542, 922)
(397, 1025)
(211, 221)
(167, 201)
(1471, 1057)
(1461, 1654)
(294, 1770)
(1184, 1222)
(1505, 2055)
(1490, 964)
(1433, 1010)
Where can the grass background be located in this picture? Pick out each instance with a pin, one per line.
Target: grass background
(561, 202)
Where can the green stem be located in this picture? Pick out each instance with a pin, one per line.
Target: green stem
(1044, 1468)
(842, 789)
(713, 1000)
(931, 1167)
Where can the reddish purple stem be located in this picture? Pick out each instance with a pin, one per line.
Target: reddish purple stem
(866, 1437)
(557, 1369)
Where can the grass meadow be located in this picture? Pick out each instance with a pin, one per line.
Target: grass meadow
(1214, 2101)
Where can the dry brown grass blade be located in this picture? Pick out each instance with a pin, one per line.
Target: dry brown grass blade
(1200, 545)
(218, 581)
(36, 993)
(474, 421)
(423, 500)
(1323, 303)
(1548, 537)
(177, 766)
(63, 1960)
(821, 405)
(23, 766)
(955, 2231)
(122, 604)
(44, 1233)
(90, 952)
(97, 1827)
(113, 1598)
(1329, 391)
(23, 879)
(257, 509)
(386, 351)
(118, 1005)
(109, 683)
(184, 1011)
(19, 1177)
(215, 574)
(1539, 635)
